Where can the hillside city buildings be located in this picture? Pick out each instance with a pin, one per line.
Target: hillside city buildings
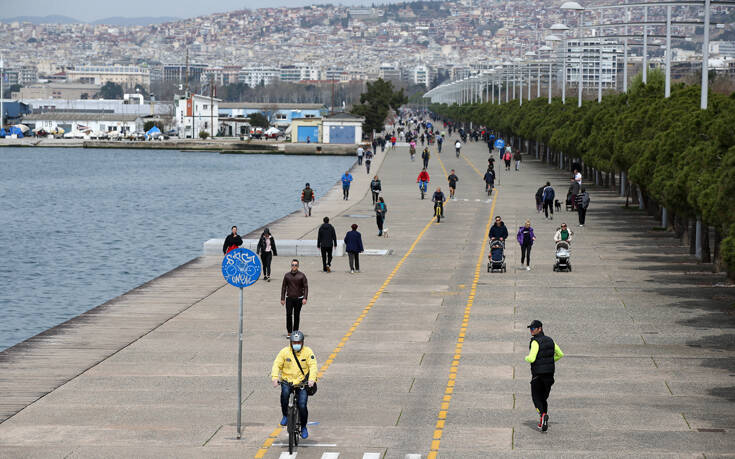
(415, 43)
(56, 72)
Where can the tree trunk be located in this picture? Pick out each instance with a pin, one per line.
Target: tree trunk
(716, 261)
(706, 258)
(692, 228)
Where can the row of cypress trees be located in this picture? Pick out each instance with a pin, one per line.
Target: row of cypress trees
(678, 156)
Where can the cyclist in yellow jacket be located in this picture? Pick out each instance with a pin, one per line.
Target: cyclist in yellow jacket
(286, 370)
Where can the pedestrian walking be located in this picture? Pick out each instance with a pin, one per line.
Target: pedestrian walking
(380, 210)
(543, 353)
(525, 238)
(375, 188)
(267, 250)
(368, 160)
(308, 197)
(346, 181)
(353, 247)
(574, 190)
(489, 179)
(326, 240)
(232, 241)
(294, 293)
(517, 158)
(425, 155)
(582, 202)
(452, 179)
(507, 156)
(548, 199)
(360, 153)
(540, 199)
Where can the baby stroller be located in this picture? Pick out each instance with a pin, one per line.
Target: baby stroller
(563, 257)
(496, 259)
(568, 206)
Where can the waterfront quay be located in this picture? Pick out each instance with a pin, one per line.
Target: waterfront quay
(420, 354)
(222, 145)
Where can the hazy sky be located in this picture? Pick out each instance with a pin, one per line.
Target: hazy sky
(89, 10)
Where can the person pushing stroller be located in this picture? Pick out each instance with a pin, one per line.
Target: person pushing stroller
(563, 240)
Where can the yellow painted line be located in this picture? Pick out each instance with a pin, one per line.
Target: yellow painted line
(444, 406)
(472, 166)
(261, 452)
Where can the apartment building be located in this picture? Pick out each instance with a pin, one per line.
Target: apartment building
(127, 76)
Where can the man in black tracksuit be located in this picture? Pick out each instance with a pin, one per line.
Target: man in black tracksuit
(326, 240)
(542, 354)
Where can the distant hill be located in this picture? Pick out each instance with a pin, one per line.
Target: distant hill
(52, 19)
(116, 21)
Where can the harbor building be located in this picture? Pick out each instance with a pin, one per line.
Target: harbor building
(127, 76)
(195, 114)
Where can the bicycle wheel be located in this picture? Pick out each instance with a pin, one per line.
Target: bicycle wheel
(292, 434)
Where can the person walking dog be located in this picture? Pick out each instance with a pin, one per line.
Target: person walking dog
(543, 352)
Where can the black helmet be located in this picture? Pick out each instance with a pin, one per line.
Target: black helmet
(297, 337)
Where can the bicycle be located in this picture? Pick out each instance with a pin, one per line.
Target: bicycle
(293, 424)
(438, 209)
(422, 187)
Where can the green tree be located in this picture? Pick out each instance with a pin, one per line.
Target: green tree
(149, 124)
(203, 134)
(111, 90)
(376, 102)
(258, 120)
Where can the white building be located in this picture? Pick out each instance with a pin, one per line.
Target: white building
(126, 76)
(344, 128)
(258, 75)
(722, 48)
(299, 72)
(111, 123)
(422, 75)
(195, 114)
(592, 62)
(389, 72)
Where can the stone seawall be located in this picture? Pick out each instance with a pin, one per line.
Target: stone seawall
(234, 146)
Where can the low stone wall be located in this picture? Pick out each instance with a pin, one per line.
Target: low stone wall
(285, 247)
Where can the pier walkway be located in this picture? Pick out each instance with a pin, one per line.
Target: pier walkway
(420, 354)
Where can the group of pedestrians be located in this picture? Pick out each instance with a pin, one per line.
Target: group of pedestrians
(295, 366)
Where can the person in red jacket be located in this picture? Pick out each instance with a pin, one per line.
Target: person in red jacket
(423, 181)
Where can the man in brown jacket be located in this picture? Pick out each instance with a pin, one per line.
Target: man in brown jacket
(294, 292)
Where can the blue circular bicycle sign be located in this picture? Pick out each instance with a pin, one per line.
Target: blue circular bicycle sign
(241, 267)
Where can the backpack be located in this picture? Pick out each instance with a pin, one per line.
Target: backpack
(585, 200)
(307, 194)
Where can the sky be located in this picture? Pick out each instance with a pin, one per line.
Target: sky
(89, 10)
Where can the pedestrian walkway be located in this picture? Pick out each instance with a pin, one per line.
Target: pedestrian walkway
(647, 334)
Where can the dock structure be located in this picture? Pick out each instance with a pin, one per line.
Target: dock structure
(420, 353)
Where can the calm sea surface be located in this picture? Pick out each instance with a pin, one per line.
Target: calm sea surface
(79, 227)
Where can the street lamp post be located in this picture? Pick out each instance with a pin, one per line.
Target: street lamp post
(546, 49)
(645, 45)
(530, 54)
(705, 58)
(574, 6)
(563, 29)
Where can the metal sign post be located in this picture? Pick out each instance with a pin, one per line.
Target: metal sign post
(241, 268)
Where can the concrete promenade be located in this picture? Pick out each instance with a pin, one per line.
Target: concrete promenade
(420, 354)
